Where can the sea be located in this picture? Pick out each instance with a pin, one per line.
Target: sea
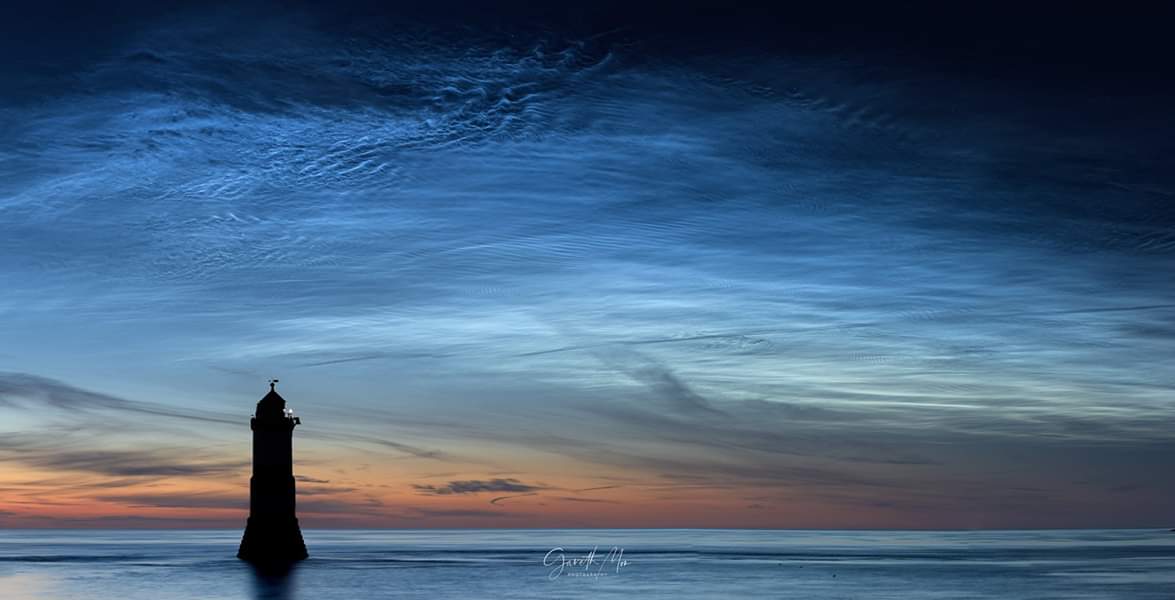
(595, 563)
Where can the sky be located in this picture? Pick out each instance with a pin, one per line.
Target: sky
(595, 267)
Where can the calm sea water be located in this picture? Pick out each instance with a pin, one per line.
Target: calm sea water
(161, 565)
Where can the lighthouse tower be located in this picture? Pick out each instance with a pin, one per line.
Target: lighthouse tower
(272, 534)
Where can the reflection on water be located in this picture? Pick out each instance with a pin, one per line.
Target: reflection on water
(273, 582)
(25, 586)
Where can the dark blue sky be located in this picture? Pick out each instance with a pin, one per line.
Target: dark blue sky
(898, 267)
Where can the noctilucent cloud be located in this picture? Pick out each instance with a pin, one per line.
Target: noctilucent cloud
(576, 275)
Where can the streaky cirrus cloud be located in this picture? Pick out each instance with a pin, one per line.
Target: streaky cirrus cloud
(475, 486)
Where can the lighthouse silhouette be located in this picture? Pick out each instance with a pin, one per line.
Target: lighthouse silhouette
(271, 533)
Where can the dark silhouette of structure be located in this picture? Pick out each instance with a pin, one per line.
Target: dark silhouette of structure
(272, 534)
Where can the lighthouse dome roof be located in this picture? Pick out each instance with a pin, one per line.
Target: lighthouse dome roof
(272, 405)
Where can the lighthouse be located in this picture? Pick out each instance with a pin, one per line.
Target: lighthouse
(271, 533)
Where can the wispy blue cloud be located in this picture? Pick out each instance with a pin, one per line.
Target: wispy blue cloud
(789, 269)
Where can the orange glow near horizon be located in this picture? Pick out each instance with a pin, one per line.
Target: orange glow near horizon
(45, 499)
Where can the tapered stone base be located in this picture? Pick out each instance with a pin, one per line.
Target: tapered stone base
(272, 542)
